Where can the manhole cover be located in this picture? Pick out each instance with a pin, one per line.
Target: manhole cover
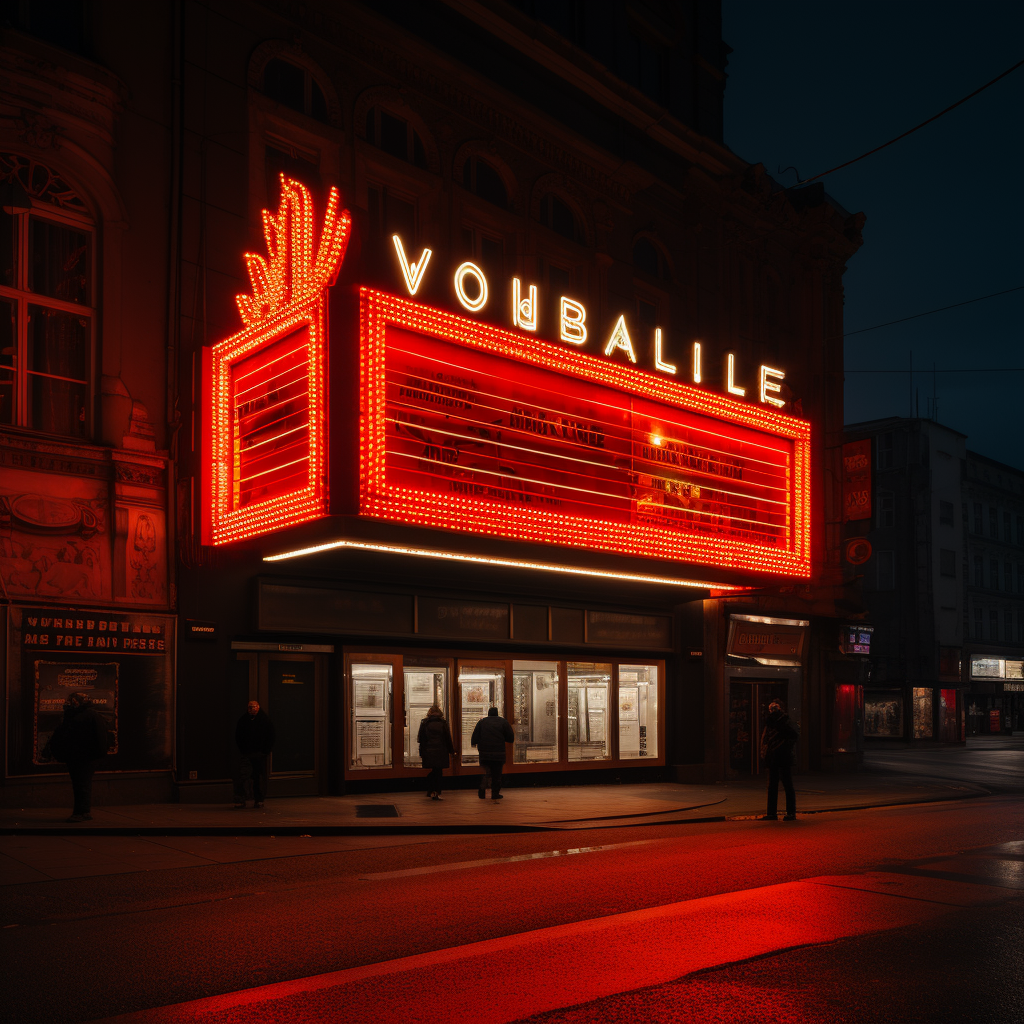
(376, 811)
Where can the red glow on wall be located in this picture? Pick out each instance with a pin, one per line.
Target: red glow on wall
(265, 427)
(473, 428)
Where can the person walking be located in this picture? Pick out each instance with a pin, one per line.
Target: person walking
(255, 736)
(777, 742)
(80, 741)
(489, 737)
(436, 748)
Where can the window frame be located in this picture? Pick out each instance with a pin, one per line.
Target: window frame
(23, 297)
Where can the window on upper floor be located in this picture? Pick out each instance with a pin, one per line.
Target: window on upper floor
(47, 302)
(396, 136)
(885, 565)
(1008, 577)
(979, 571)
(391, 213)
(1007, 624)
(993, 522)
(284, 157)
(978, 520)
(1020, 531)
(555, 279)
(978, 620)
(295, 88)
(484, 181)
(1007, 533)
(883, 451)
(886, 514)
(947, 562)
(993, 573)
(649, 260)
(1020, 627)
(558, 215)
(644, 64)
(993, 624)
(487, 250)
(946, 513)
(1020, 578)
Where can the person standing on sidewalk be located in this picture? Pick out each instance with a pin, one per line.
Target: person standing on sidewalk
(80, 741)
(436, 748)
(777, 742)
(254, 735)
(489, 737)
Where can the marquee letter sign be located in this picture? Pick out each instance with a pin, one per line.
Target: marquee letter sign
(265, 444)
(470, 427)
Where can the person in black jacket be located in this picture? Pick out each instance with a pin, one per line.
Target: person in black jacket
(777, 742)
(489, 737)
(436, 748)
(79, 741)
(254, 735)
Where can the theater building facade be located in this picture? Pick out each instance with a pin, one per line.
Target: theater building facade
(480, 373)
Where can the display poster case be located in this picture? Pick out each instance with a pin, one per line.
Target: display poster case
(481, 687)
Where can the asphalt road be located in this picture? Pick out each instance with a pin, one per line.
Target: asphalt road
(646, 907)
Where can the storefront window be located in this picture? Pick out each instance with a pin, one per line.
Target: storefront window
(883, 714)
(371, 715)
(535, 712)
(924, 706)
(424, 686)
(480, 689)
(589, 684)
(951, 733)
(845, 738)
(638, 711)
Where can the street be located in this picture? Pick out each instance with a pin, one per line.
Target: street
(912, 914)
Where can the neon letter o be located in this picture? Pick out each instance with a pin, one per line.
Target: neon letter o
(470, 270)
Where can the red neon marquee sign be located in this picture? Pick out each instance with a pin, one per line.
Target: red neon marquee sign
(474, 428)
(266, 441)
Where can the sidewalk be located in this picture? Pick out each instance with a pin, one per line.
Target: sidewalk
(460, 812)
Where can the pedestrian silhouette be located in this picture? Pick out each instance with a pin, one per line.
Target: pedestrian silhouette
(777, 742)
(489, 737)
(436, 748)
(254, 735)
(79, 741)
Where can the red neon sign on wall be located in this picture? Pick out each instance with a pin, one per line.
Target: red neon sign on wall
(266, 440)
(473, 428)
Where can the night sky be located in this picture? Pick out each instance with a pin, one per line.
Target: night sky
(814, 84)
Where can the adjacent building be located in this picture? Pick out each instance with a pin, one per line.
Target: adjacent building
(367, 356)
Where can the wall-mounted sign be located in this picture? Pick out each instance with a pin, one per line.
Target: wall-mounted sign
(768, 640)
(856, 639)
(856, 480)
(473, 428)
(857, 550)
(200, 629)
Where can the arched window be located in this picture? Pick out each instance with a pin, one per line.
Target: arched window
(648, 259)
(47, 301)
(396, 136)
(558, 215)
(483, 180)
(294, 87)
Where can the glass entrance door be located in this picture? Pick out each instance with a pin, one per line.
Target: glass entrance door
(481, 687)
(748, 711)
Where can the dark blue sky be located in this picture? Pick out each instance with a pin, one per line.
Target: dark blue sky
(813, 84)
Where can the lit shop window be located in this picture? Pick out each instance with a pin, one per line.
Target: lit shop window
(883, 714)
(47, 314)
(535, 711)
(371, 715)
(589, 686)
(638, 711)
(481, 687)
(924, 709)
(424, 686)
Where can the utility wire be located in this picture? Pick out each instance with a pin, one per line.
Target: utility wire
(870, 152)
(965, 369)
(929, 312)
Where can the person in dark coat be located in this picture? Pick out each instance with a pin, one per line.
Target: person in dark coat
(436, 748)
(254, 735)
(489, 737)
(80, 741)
(777, 742)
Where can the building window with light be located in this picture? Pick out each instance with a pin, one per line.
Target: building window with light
(47, 301)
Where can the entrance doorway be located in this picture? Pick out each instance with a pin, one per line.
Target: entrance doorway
(748, 711)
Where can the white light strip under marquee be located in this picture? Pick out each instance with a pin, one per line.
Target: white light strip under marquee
(512, 563)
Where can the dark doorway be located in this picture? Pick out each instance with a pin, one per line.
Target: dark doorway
(748, 709)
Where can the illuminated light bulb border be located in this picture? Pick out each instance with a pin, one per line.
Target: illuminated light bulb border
(452, 512)
(512, 563)
(288, 293)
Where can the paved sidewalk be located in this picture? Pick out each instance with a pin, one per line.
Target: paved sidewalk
(526, 809)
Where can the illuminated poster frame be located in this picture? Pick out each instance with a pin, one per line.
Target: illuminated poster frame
(383, 499)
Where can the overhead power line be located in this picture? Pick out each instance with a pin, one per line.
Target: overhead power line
(928, 312)
(870, 152)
